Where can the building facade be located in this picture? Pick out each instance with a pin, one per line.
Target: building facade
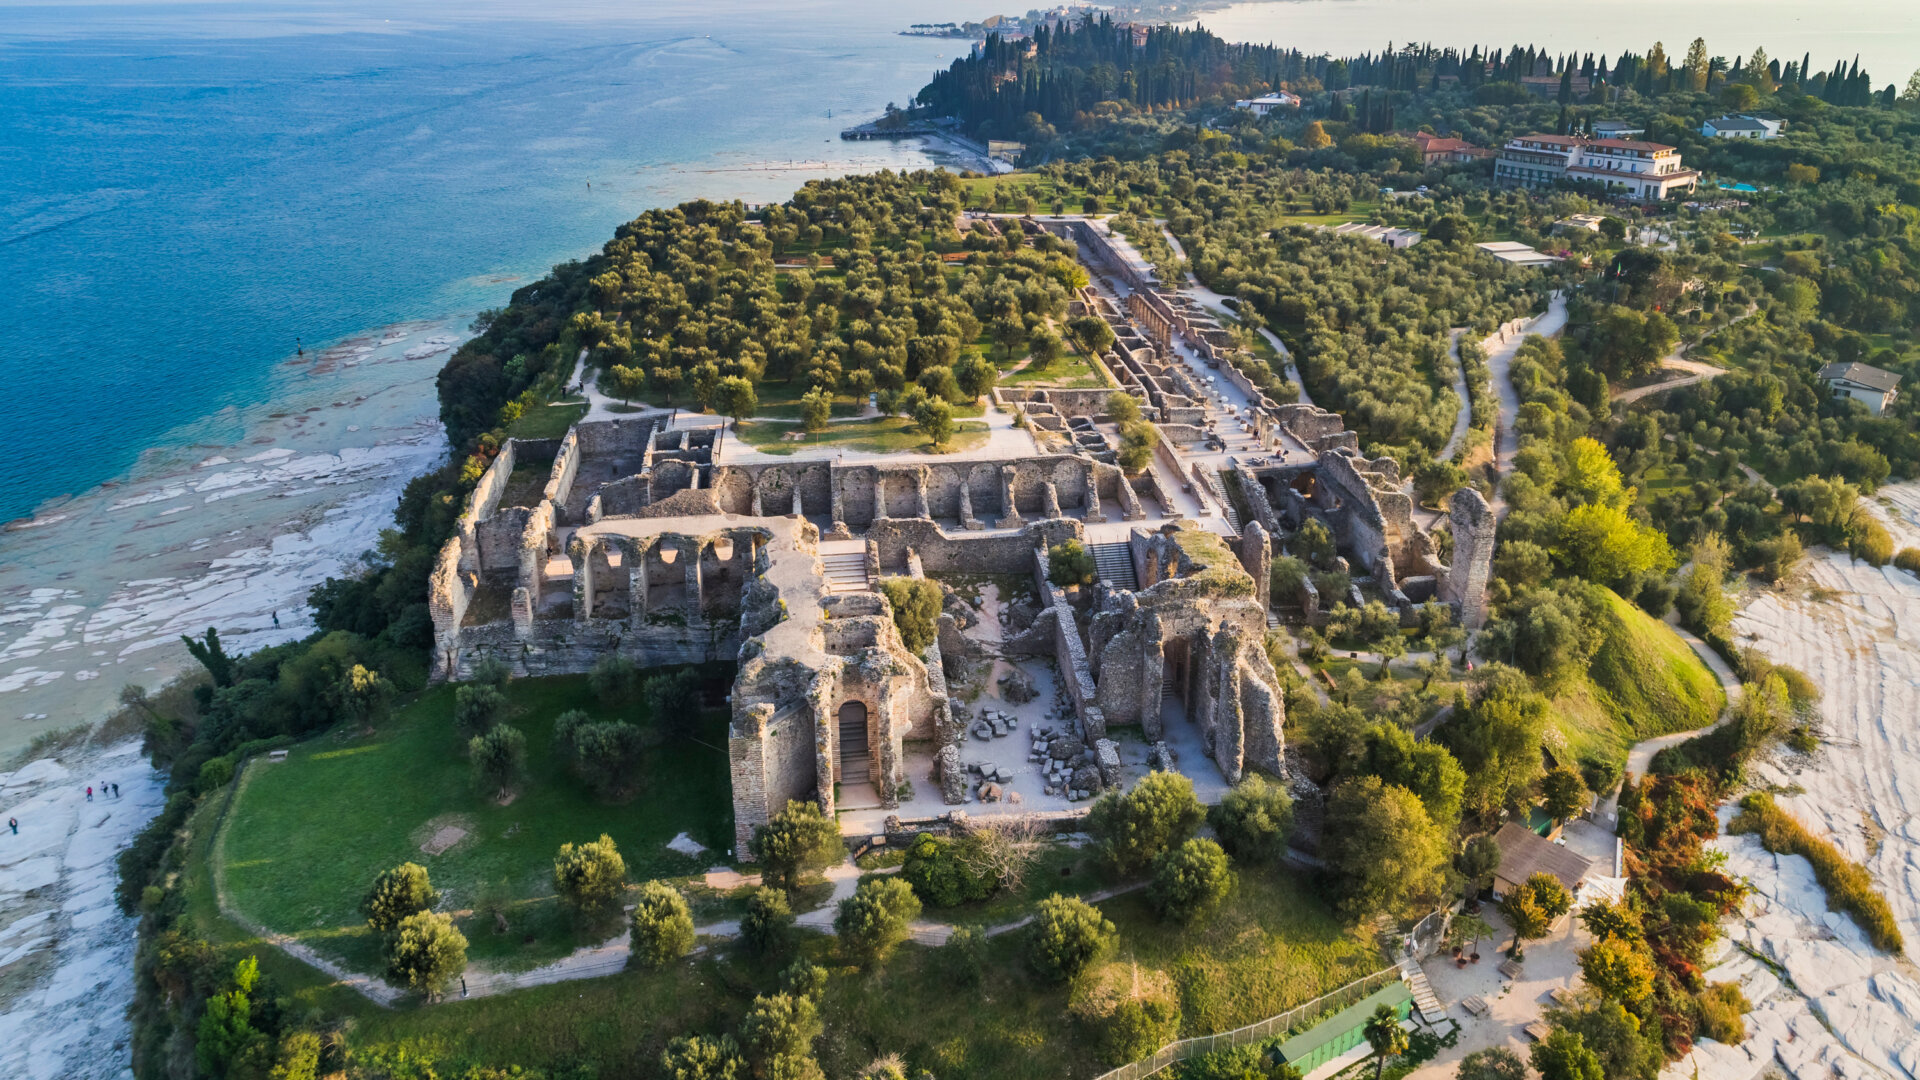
(1742, 127)
(1873, 387)
(1637, 170)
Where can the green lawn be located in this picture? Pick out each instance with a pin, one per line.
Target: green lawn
(1072, 371)
(1271, 946)
(549, 421)
(306, 836)
(884, 434)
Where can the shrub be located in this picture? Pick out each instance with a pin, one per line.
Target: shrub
(935, 871)
(1868, 541)
(491, 672)
(873, 921)
(1129, 1012)
(499, 759)
(477, 708)
(1849, 886)
(1435, 480)
(1132, 830)
(1066, 936)
(768, 923)
(1908, 559)
(1253, 820)
(797, 838)
(1189, 880)
(700, 1058)
(1722, 1007)
(1496, 1063)
(1123, 407)
(590, 877)
(397, 893)
(1069, 563)
(214, 774)
(1285, 577)
(916, 604)
(614, 680)
(427, 952)
(662, 926)
(963, 959)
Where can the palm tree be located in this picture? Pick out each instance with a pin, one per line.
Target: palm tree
(1385, 1035)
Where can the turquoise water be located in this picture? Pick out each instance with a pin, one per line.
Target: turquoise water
(1738, 187)
(186, 190)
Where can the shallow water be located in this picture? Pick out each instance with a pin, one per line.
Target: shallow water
(185, 190)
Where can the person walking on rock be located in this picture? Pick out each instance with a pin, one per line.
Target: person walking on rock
(89, 794)
(116, 792)
(14, 824)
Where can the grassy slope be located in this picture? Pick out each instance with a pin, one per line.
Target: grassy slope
(307, 835)
(1644, 681)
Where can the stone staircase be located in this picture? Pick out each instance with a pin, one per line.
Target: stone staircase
(1432, 1011)
(846, 572)
(1115, 564)
(1219, 489)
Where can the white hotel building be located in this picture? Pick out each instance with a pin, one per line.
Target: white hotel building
(1638, 170)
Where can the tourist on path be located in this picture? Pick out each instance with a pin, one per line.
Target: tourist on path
(89, 794)
(116, 791)
(14, 824)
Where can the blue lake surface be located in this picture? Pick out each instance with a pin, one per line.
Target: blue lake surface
(185, 190)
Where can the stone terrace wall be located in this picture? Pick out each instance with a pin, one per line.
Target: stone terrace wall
(1066, 403)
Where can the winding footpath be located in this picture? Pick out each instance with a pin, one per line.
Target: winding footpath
(1218, 302)
(1501, 348)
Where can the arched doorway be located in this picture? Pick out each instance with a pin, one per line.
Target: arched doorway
(855, 755)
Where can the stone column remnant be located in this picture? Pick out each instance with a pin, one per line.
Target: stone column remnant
(1465, 584)
(1009, 509)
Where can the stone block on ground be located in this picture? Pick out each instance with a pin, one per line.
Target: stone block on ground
(1017, 686)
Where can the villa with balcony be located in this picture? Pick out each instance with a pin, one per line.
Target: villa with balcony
(1644, 171)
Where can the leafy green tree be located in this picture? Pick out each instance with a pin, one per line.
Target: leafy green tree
(498, 759)
(916, 604)
(363, 696)
(226, 1030)
(1385, 1034)
(662, 925)
(1497, 740)
(1137, 442)
(212, 656)
(1427, 769)
(1253, 820)
(1533, 905)
(798, 838)
(623, 382)
(1620, 970)
(1606, 920)
(1123, 407)
(1130, 831)
(1066, 936)
(1435, 480)
(614, 679)
(1563, 1056)
(1045, 346)
(427, 952)
(975, 377)
(1392, 853)
(698, 1057)
(590, 877)
(1564, 793)
(673, 700)
(767, 925)
(934, 417)
(298, 1057)
(477, 708)
(1069, 563)
(1602, 544)
(397, 893)
(605, 755)
(816, 408)
(873, 921)
(736, 398)
(1190, 880)
(1479, 858)
(1629, 1049)
(778, 1034)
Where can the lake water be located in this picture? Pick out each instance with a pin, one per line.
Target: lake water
(1885, 34)
(186, 189)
